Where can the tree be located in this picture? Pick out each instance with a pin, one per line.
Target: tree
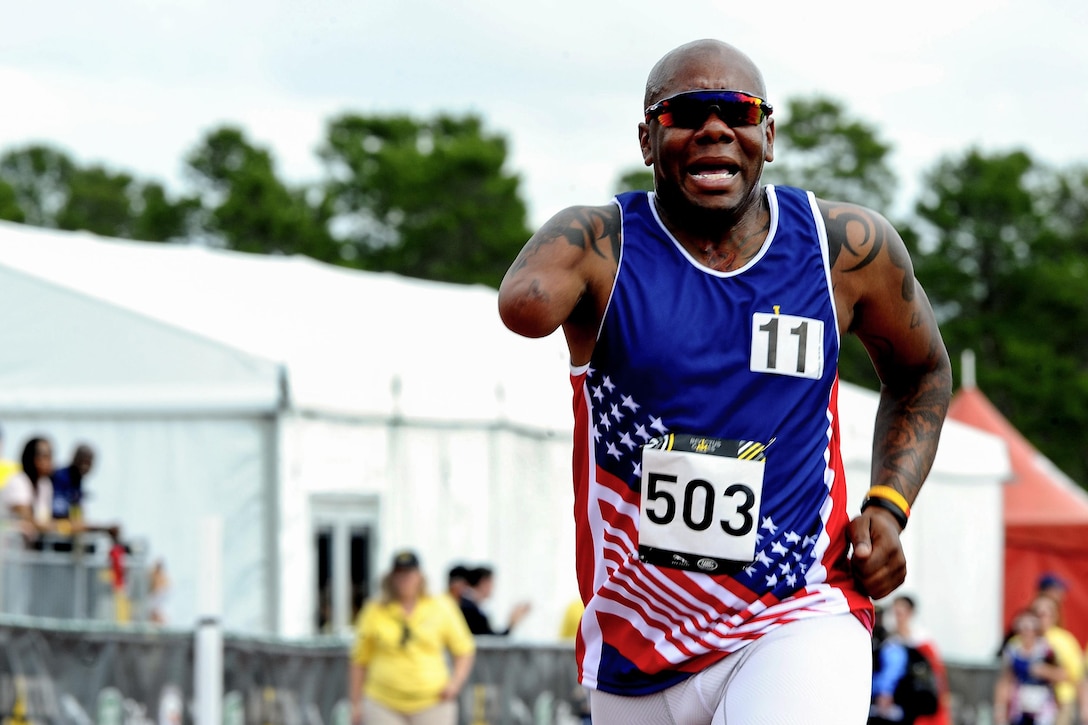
(39, 176)
(248, 208)
(45, 187)
(424, 198)
(635, 179)
(1004, 259)
(160, 218)
(820, 148)
(9, 204)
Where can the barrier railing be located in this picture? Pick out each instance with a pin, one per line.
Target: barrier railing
(73, 673)
(73, 577)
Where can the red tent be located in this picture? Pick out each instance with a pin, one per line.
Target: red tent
(1046, 517)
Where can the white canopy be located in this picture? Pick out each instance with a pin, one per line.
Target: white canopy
(267, 331)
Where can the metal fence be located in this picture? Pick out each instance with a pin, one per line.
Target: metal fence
(54, 672)
(72, 577)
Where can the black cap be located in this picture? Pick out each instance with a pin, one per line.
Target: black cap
(405, 560)
(1050, 580)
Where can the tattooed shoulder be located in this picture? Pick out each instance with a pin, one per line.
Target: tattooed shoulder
(593, 228)
(857, 237)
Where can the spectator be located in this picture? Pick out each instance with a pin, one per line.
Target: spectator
(1024, 693)
(1069, 656)
(889, 667)
(908, 632)
(398, 671)
(572, 618)
(481, 582)
(1082, 692)
(457, 582)
(1053, 586)
(28, 495)
(7, 466)
(68, 484)
(158, 589)
(568, 632)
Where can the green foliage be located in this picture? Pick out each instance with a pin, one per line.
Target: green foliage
(820, 148)
(423, 198)
(635, 179)
(39, 176)
(1005, 261)
(247, 207)
(160, 218)
(43, 186)
(9, 204)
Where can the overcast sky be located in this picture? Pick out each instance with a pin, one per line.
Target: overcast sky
(135, 83)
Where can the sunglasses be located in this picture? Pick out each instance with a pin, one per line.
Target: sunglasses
(691, 109)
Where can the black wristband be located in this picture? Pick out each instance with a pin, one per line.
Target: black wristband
(889, 507)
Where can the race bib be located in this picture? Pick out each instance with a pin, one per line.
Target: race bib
(787, 345)
(1033, 698)
(700, 502)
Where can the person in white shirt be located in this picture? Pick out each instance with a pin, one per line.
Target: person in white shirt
(27, 497)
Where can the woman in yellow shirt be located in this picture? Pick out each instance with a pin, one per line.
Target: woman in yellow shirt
(399, 674)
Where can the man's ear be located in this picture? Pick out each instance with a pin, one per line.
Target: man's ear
(644, 142)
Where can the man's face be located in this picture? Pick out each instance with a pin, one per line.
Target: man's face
(716, 167)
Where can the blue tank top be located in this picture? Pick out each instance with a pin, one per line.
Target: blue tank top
(746, 355)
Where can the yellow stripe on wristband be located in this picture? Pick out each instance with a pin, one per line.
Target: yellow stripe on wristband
(890, 494)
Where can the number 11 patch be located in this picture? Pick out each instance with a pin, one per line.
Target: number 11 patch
(787, 345)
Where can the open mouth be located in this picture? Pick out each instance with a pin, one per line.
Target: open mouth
(713, 173)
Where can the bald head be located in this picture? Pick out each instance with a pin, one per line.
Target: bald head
(703, 64)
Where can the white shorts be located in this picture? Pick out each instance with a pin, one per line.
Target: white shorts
(815, 671)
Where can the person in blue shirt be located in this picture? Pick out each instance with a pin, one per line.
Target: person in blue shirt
(68, 484)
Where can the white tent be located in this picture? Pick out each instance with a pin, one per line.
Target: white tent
(332, 416)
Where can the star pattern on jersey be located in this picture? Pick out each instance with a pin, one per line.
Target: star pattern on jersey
(783, 557)
(621, 426)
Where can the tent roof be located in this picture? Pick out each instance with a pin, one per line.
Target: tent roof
(348, 342)
(1040, 493)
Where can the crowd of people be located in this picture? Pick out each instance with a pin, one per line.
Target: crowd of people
(42, 505)
(1043, 668)
(413, 651)
(40, 498)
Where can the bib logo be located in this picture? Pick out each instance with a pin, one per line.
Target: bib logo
(678, 560)
(707, 564)
(702, 446)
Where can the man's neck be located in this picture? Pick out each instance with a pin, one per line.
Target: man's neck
(722, 240)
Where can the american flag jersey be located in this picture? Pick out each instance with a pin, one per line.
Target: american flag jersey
(681, 349)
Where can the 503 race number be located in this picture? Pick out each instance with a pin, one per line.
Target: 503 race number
(697, 508)
(700, 501)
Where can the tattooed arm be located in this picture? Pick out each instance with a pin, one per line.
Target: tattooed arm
(879, 300)
(563, 277)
